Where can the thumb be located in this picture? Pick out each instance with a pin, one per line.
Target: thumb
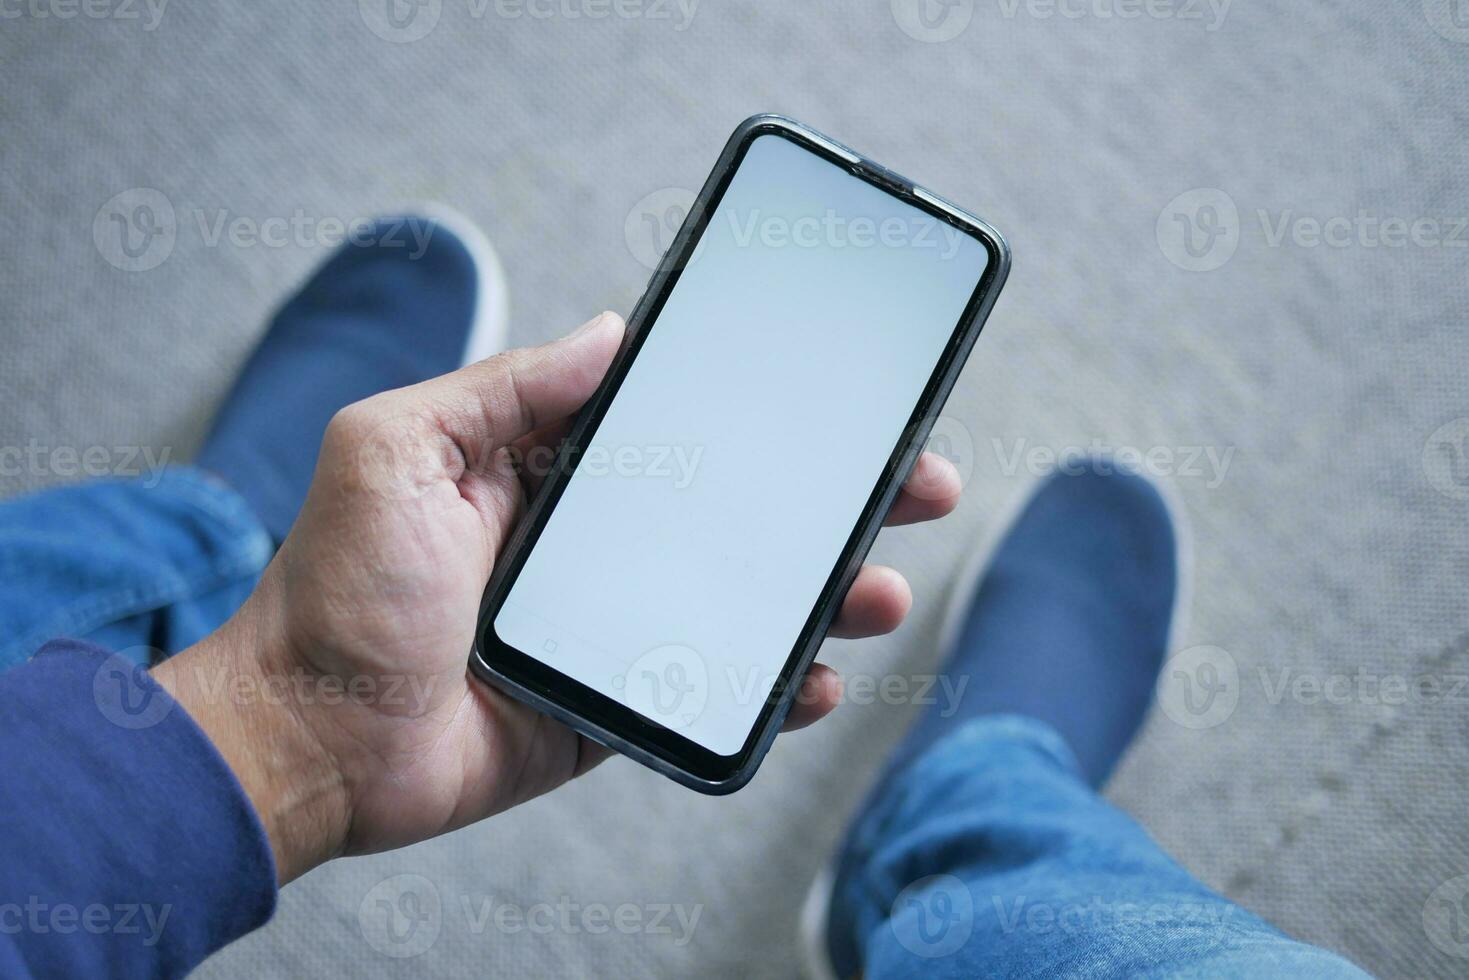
(490, 404)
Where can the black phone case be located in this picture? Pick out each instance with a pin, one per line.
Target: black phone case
(899, 466)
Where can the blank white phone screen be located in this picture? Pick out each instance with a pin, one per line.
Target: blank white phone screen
(693, 541)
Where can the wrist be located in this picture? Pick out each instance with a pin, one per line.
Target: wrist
(237, 686)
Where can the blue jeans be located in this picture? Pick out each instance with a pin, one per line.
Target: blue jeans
(990, 857)
(987, 857)
(145, 567)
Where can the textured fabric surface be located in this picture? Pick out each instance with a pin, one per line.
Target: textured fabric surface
(99, 879)
(1334, 542)
(994, 821)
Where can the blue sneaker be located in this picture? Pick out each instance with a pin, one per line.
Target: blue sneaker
(402, 301)
(1068, 620)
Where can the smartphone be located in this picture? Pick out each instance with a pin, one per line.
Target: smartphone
(679, 566)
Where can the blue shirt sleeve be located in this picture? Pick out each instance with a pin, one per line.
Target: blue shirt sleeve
(127, 846)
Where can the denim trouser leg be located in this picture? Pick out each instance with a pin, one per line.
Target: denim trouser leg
(989, 857)
(145, 566)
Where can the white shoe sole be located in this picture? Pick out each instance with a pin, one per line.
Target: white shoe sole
(816, 909)
(815, 963)
(489, 332)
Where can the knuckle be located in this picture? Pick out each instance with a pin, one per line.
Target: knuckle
(387, 447)
(352, 425)
(503, 394)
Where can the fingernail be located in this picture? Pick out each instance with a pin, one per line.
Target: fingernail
(592, 324)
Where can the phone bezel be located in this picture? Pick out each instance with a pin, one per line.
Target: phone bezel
(599, 717)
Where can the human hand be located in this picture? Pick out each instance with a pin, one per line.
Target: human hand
(377, 590)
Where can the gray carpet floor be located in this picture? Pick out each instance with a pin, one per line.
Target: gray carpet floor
(1332, 547)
